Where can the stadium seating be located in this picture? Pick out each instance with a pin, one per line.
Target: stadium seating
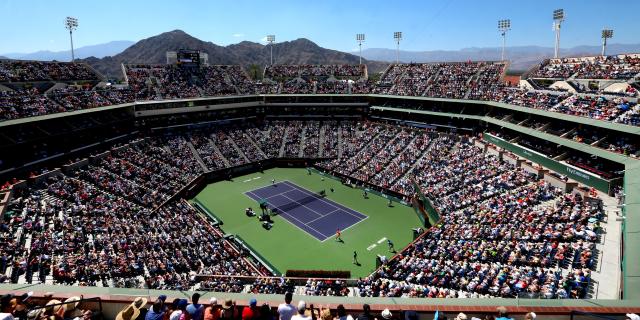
(92, 218)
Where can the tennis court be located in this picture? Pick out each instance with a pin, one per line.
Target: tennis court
(309, 211)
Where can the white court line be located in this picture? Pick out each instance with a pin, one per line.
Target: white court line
(330, 202)
(293, 187)
(275, 195)
(382, 240)
(371, 247)
(314, 220)
(267, 186)
(285, 213)
(302, 205)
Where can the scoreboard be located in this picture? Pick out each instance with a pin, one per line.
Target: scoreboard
(188, 58)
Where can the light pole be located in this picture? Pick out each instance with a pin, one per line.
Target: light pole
(71, 23)
(606, 34)
(558, 18)
(503, 27)
(271, 39)
(360, 39)
(397, 36)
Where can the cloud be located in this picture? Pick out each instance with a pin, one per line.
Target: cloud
(264, 40)
(238, 35)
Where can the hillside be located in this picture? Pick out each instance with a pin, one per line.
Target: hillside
(153, 49)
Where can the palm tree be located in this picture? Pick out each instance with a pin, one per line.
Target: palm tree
(254, 72)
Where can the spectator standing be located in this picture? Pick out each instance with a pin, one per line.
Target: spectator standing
(251, 311)
(503, 314)
(212, 312)
(286, 310)
(157, 311)
(302, 307)
(229, 310)
(265, 313)
(366, 313)
(180, 312)
(195, 309)
(342, 313)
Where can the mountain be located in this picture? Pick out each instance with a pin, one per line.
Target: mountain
(521, 57)
(152, 50)
(98, 50)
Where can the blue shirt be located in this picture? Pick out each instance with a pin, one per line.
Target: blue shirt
(152, 315)
(196, 311)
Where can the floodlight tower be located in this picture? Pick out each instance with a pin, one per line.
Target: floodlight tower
(360, 39)
(71, 24)
(606, 34)
(397, 36)
(503, 27)
(558, 18)
(271, 39)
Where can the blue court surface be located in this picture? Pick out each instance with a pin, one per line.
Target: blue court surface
(316, 215)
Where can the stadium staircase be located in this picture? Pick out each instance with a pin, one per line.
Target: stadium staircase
(321, 139)
(392, 157)
(197, 156)
(340, 143)
(233, 144)
(303, 139)
(386, 71)
(255, 145)
(374, 151)
(283, 145)
(412, 165)
(217, 151)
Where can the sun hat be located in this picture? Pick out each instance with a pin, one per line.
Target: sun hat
(71, 303)
(129, 313)
(139, 302)
(227, 304)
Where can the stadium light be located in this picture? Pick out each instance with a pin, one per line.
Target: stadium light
(71, 24)
(606, 34)
(271, 39)
(503, 27)
(558, 18)
(360, 39)
(397, 36)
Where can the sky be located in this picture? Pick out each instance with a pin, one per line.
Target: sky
(32, 25)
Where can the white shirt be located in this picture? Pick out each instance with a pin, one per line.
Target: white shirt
(175, 315)
(286, 311)
(300, 317)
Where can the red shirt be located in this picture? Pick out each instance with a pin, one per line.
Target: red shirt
(249, 313)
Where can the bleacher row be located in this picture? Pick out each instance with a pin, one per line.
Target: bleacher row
(454, 80)
(103, 224)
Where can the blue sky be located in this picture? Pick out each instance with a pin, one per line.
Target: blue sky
(31, 25)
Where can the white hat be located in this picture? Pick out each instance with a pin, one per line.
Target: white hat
(302, 306)
(633, 316)
(213, 300)
(386, 314)
(461, 316)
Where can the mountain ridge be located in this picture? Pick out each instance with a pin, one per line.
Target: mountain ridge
(99, 50)
(153, 50)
